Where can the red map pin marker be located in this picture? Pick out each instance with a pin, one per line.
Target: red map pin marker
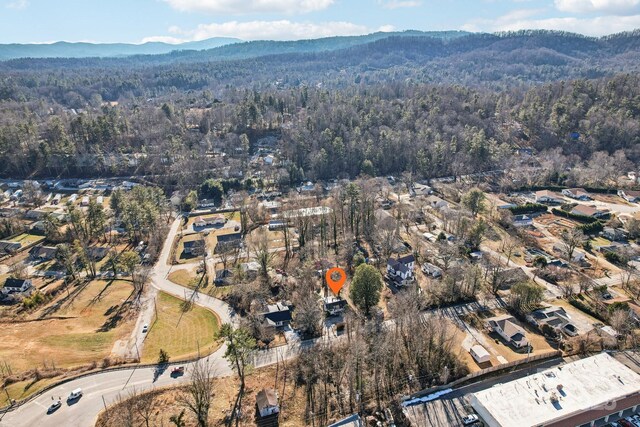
(336, 285)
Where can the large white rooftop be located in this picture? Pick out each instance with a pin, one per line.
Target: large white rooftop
(556, 393)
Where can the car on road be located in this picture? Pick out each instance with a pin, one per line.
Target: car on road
(145, 328)
(177, 371)
(470, 419)
(75, 395)
(54, 407)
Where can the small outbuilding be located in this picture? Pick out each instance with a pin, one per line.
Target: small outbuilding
(267, 402)
(479, 354)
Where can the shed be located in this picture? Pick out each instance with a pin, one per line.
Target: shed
(480, 354)
(267, 402)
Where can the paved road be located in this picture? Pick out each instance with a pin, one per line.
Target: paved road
(105, 388)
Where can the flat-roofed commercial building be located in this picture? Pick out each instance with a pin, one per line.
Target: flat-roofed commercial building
(587, 392)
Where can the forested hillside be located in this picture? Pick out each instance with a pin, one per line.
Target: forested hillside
(426, 105)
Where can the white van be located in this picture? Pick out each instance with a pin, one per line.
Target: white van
(75, 394)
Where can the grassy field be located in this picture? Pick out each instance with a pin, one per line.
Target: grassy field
(182, 277)
(178, 333)
(23, 389)
(27, 239)
(83, 330)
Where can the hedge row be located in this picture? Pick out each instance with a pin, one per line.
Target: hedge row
(581, 218)
(528, 208)
(594, 227)
(587, 309)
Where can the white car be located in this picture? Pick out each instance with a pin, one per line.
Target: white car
(75, 394)
(470, 419)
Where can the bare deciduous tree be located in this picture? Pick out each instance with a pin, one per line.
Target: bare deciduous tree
(199, 392)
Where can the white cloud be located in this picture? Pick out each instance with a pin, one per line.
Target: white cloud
(18, 4)
(397, 4)
(614, 7)
(266, 30)
(386, 28)
(525, 20)
(250, 6)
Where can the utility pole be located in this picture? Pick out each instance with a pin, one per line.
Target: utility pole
(104, 403)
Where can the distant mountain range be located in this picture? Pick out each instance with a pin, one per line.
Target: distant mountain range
(104, 50)
(224, 48)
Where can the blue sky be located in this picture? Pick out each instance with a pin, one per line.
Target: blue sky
(136, 21)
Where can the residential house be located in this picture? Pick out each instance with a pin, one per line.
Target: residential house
(35, 214)
(577, 193)
(522, 221)
(96, 253)
(213, 221)
(421, 189)
(194, 247)
(546, 196)
(85, 201)
(17, 286)
(206, 203)
(555, 317)
(271, 206)
(400, 269)
(334, 306)
(630, 195)
(351, 421)
(230, 240)
(43, 253)
(589, 211)
(9, 247)
(578, 255)
(269, 159)
(436, 202)
(56, 199)
(9, 212)
(278, 315)
(267, 402)
(431, 270)
(508, 329)
(615, 234)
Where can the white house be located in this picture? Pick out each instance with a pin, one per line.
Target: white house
(479, 354)
(629, 195)
(508, 329)
(431, 270)
(16, 286)
(522, 221)
(269, 159)
(436, 202)
(546, 196)
(400, 270)
(576, 193)
(267, 402)
(214, 221)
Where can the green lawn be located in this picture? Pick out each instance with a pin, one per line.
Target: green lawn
(178, 333)
(27, 239)
(182, 277)
(23, 389)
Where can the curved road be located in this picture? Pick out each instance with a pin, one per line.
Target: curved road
(104, 388)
